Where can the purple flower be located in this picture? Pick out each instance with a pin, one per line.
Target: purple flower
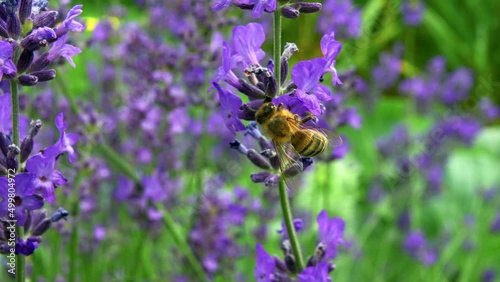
(265, 266)
(386, 74)
(61, 49)
(26, 247)
(220, 5)
(69, 24)
(46, 176)
(261, 6)
(229, 106)
(416, 244)
(412, 12)
(298, 225)
(318, 273)
(5, 112)
(66, 140)
(340, 16)
(488, 275)
(24, 198)
(6, 64)
(331, 49)
(457, 87)
(246, 42)
(224, 71)
(350, 117)
(306, 76)
(489, 110)
(331, 232)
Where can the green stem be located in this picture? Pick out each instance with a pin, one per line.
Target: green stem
(182, 244)
(14, 91)
(277, 48)
(20, 259)
(287, 215)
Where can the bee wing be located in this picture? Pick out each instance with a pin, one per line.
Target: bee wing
(290, 167)
(333, 138)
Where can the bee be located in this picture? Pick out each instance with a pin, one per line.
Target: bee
(285, 128)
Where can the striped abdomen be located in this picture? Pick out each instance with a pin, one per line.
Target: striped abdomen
(309, 143)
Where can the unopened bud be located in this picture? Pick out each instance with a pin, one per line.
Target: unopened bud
(45, 19)
(258, 160)
(27, 80)
(289, 12)
(307, 7)
(44, 75)
(11, 161)
(25, 10)
(250, 90)
(25, 60)
(3, 29)
(14, 26)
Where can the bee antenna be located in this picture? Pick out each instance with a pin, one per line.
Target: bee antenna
(268, 99)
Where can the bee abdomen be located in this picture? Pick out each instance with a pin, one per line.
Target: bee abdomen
(309, 143)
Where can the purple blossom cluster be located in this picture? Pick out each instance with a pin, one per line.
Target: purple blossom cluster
(33, 39)
(303, 93)
(273, 269)
(30, 28)
(35, 178)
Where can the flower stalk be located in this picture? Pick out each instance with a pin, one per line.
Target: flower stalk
(288, 218)
(277, 48)
(14, 92)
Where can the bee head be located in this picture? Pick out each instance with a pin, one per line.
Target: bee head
(265, 112)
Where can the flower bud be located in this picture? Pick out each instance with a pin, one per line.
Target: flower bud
(4, 143)
(319, 254)
(271, 86)
(3, 29)
(250, 90)
(290, 263)
(307, 7)
(25, 60)
(238, 146)
(243, 6)
(272, 180)
(280, 264)
(247, 111)
(3, 13)
(25, 10)
(259, 177)
(40, 63)
(59, 214)
(27, 80)
(258, 160)
(14, 26)
(290, 49)
(39, 37)
(44, 75)
(27, 143)
(45, 19)
(11, 161)
(43, 226)
(289, 12)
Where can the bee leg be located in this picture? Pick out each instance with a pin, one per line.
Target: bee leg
(281, 106)
(296, 118)
(309, 116)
